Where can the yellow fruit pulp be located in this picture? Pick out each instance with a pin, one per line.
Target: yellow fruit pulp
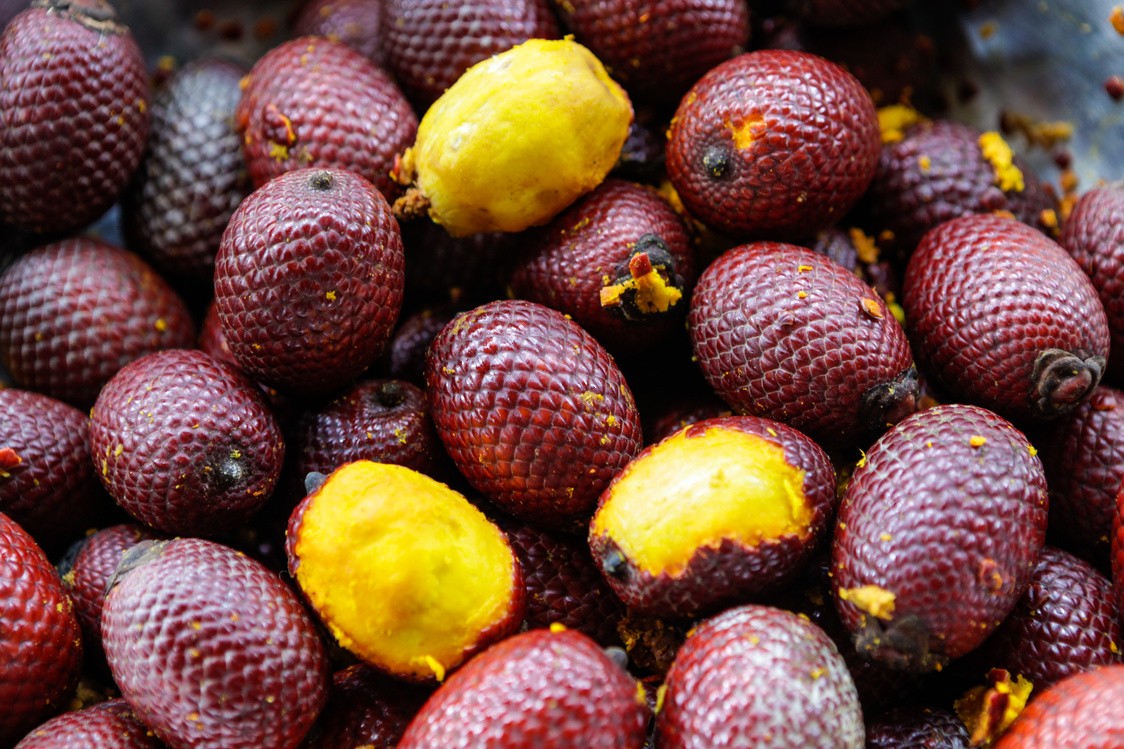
(404, 570)
(691, 492)
(518, 138)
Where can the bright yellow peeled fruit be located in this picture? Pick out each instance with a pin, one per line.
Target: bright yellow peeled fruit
(517, 138)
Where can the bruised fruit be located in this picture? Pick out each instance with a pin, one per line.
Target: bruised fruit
(547, 687)
(1004, 318)
(405, 572)
(1078, 712)
(533, 410)
(937, 535)
(755, 676)
(106, 725)
(365, 710)
(720, 511)
(212, 649)
(516, 139)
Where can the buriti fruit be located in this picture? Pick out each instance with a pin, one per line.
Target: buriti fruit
(106, 725)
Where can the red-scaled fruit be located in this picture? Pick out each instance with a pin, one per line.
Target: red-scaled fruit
(40, 639)
(212, 649)
(773, 144)
(74, 114)
(784, 333)
(539, 688)
(360, 24)
(186, 443)
(74, 312)
(308, 280)
(106, 725)
(721, 511)
(404, 357)
(1004, 318)
(937, 535)
(757, 676)
(917, 728)
(533, 410)
(1079, 712)
(365, 710)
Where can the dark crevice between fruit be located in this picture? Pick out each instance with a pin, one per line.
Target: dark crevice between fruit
(716, 161)
(137, 555)
(887, 403)
(1062, 380)
(902, 644)
(646, 284)
(96, 15)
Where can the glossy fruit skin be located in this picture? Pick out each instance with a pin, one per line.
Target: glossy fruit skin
(587, 247)
(1072, 714)
(917, 728)
(950, 525)
(364, 709)
(193, 611)
(756, 675)
(988, 300)
(75, 311)
(185, 443)
(106, 725)
(833, 363)
(308, 280)
(658, 50)
(1094, 236)
(40, 640)
(74, 115)
(360, 24)
(537, 688)
(315, 102)
(809, 144)
(192, 177)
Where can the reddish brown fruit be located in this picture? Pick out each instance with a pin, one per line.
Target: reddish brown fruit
(756, 675)
(532, 409)
(360, 24)
(40, 640)
(365, 710)
(314, 102)
(308, 280)
(211, 339)
(538, 688)
(784, 333)
(1079, 712)
(106, 725)
(1004, 318)
(859, 254)
(74, 312)
(1118, 550)
(74, 114)
(189, 612)
(773, 144)
(937, 535)
(404, 357)
(917, 728)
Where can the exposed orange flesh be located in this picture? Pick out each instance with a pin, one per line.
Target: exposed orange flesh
(693, 492)
(405, 572)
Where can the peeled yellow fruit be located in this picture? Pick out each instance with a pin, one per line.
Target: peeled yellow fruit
(516, 139)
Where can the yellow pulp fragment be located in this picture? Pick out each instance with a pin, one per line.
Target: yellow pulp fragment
(872, 599)
(518, 138)
(690, 492)
(653, 294)
(404, 570)
(996, 150)
(895, 119)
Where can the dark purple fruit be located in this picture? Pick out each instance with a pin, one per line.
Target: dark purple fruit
(360, 24)
(917, 728)
(365, 710)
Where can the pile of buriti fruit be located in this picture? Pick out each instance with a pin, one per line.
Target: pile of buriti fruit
(532, 373)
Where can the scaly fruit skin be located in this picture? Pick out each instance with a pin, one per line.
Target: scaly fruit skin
(1117, 563)
(192, 177)
(756, 675)
(430, 43)
(940, 526)
(1004, 318)
(308, 280)
(404, 357)
(917, 728)
(74, 114)
(365, 710)
(532, 409)
(186, 443)
(360, 24)
(1079, 712)
(315, 102)
(74, 312)
(1093, 235)
(785, 333)
(773, 144)
(190, 612)
(538, 688)
(106, 725)
(40, 639)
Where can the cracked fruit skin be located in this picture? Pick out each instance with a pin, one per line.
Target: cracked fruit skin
(1080, 712)
(407, 574)
(518, 138)
(937, 535)
(714, 514)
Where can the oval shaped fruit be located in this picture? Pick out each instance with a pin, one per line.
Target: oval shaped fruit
(106, 725)
(533, 411)
(501, 150)
(717, 512)
(784, 333)
(917, 728)
(937, 535)
(210, 648)
(756, 676)
(1078, 712)
(404, 571)
(539, 688)
(360, 24)
(1004, 318)
(365, 710)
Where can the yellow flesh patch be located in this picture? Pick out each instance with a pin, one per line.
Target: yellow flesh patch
(895, 119)
(746, 132)
(872, 599)
(404, 570)
(995, 149)
(652, 293)
(691, 492)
